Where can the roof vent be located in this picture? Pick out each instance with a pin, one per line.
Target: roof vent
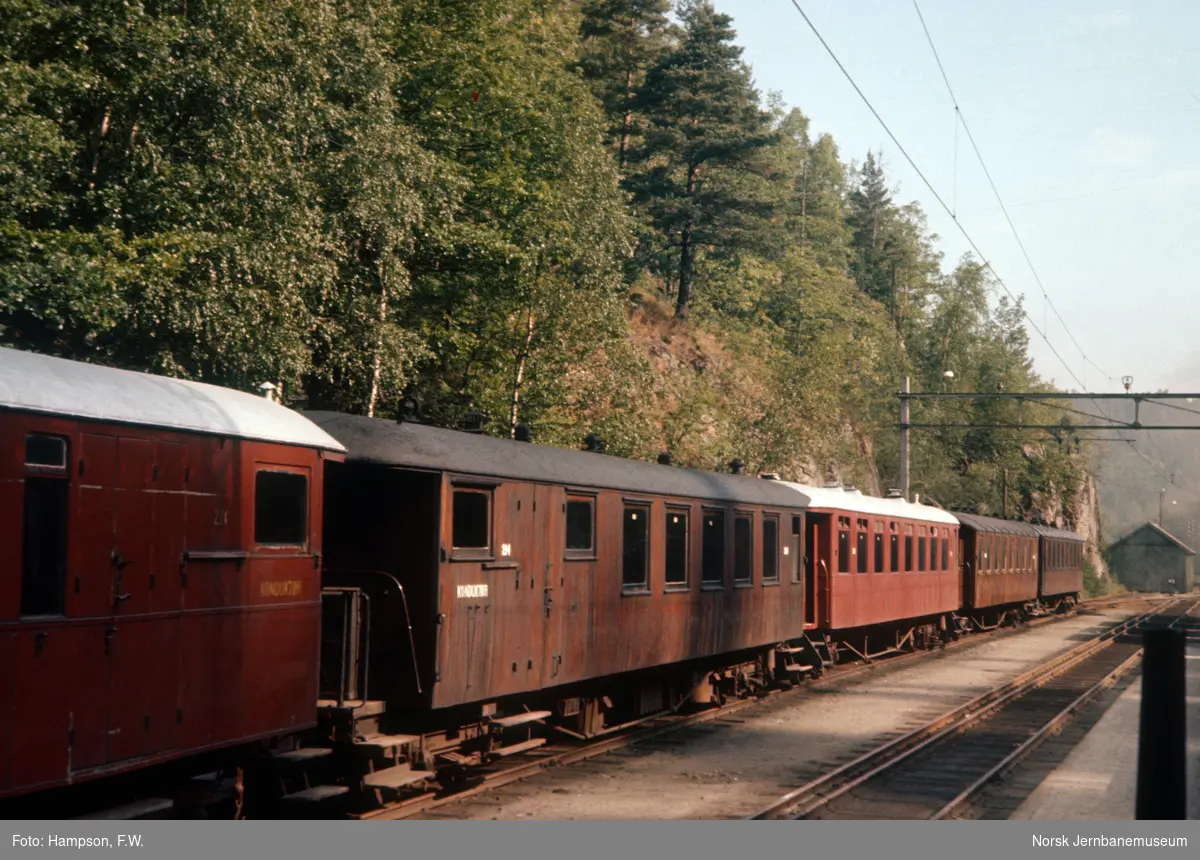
(594, 443)
(522, 433)
(850, 488)
(736, 465)
(475, 422)
(832, 485)
(664, 458)
(769, 476)
(916, 498)
(894, 494)
(410, 411)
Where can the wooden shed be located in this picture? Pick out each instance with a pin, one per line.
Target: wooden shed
(1152, 559)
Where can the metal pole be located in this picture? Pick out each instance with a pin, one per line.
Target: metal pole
(1162, 494)
(1005, 493)
(1162, 736)
(904, 481)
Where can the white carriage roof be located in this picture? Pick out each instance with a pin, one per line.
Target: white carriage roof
(56, 386)
(853, 501)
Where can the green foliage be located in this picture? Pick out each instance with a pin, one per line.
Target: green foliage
(573, 213)
(1093, 585)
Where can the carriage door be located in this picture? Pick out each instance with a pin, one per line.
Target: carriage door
(802, 560)
(818, 561)
(548, 528)
(142, 640)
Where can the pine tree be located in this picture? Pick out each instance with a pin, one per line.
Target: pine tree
(703, 185)
(621, 40)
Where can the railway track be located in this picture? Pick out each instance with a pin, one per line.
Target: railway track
(935, 771)
(568, 751)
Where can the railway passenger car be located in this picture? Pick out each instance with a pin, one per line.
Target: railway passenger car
(160, 587)
(597, 588)
(1060, 566)
(880, 570)
(999, 561)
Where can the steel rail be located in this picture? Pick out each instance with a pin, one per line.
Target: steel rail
(829, 786)
(1021, 752)
(555, 758)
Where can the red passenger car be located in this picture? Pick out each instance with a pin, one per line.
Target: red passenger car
(160, 552)
(1000, 567)
(1060, 566)
(878, 569)
(594, 586)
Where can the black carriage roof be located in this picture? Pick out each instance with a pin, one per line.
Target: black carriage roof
(996, 525)
(421, 446)
(1058, 534)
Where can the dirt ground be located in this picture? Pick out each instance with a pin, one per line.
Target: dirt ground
(732, 767)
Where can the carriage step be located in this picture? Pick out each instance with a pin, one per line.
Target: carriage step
(300, 756)
(387, 741)
(788, 649)
(797, 667)
(519, 719)
(395, 777)
(316, 794)
(131, 811)
(516, 749)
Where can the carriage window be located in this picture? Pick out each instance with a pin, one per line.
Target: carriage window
(44, 547)
(677, 547)
(933, 546)
(878, 547)
(794, 560)
(945, 553)
(579, 526)
(635, 572)
(860, 545)
(713, 561)
(770, 546)
(921, 550)
(743, 549)
(843, 547)
(908, 548)
(48, 451)
(895, 539)
(280, 508)
(472, 520)
(983, 552)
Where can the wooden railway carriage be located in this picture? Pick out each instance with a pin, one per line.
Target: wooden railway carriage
(526, 567)
(1060, 565)
(880, 564)
(159, 569)
(999, 566)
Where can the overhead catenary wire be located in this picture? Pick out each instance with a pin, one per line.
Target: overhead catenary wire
(932, 190)
(999, 200)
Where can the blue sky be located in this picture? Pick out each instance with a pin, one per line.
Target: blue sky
(1088, 116)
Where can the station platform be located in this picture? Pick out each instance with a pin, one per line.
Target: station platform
(1098, 779)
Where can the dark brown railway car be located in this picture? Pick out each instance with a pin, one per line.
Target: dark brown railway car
(999, 567)
(525, 567)
(159, 576)
(1060, 565)
(874, 563)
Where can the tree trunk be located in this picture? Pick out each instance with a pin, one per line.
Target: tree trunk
(519, 375)
(627, 121)
(686, 254)
(100, 136)
(377, 367)
(685, 274)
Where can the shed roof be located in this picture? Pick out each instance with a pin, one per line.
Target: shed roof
(31, 382)
(996, 525)
(422, 446)
(1155, 529)
(854, 501)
